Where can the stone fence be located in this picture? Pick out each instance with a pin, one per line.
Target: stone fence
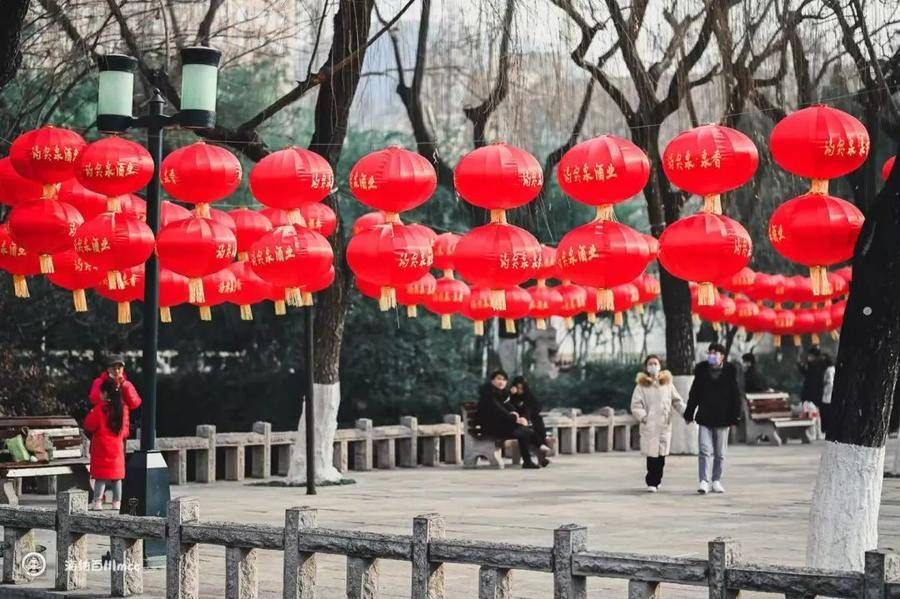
(264, 452)
(568, 559)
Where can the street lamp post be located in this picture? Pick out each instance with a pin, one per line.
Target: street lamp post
(146, 490)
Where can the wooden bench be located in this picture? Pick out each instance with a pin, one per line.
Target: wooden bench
(478, 445)
(69, 455)
(768, 418)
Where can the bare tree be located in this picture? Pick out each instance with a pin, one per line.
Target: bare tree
(10, 39)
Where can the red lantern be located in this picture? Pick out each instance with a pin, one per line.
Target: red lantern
(44, 227)
(114, 166)
(783, 325)
(278, 217)
(764, 321)
(746, 313)
(846, 273)
(574, 302)
(652, 245)
(317, 283)
(804, 324)
(518, 306)
(75, 275)
(604, 170)
(723, 310)
(545, 302)
(113, 243)
(251, 289)
(426, 232)
(46, 155)
(763, 287)
(250, 225)
(14, 188)
(221, 217)
(625, 296)
(319, 218)
(390, 255)
(593, 305)
(444, 248)
(603, 254)
(88, 203)
(839, 285)
(291, 257)
(819, 143)
(800, 291)
(710, 160)
(393, 179)
(199, 174)
(368, 221)
(783, 290)
(478, 308)
(740, 281)
(131, 290)
(196, 247)
(497, 256)
(837, 314)
(705, 247)
(824, 323)
(170, 212)
(131, 205)
(498, 177)
(16, 260)
(368, 289)
(449, 298)
(887, 167)
(290, 178)
(219, 287)
(548, 268)
(174, 290)
(416, 293)
(648, 290)
(816, 230)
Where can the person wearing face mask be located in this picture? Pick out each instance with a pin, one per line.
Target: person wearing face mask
(715, 403)
(652, 403)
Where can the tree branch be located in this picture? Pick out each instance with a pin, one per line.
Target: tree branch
(556, 155)
(10, 39)
(206, 23)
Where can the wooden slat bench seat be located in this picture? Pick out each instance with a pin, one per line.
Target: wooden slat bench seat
(69, 455)
(768, 418)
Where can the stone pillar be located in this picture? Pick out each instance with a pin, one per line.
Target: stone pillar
(340, 457)
(639, 589)
(408, 449)
(431, 451)
(182, 559)
(127, 574)
(494, 583)
(261, 467)
(880, 567)
(723, 554)
(568, 539)
(17, 542)
(234, 462)
(284, 459)
(241, 574)
(176, 461)
(71, 547)
(385, 459)
(427, 576)
(362, 578)
(206, 459)
(299, 567)
(453, 444)
(362, 450)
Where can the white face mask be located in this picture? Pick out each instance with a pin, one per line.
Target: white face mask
(653, 369)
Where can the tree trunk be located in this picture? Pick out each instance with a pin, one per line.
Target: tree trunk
(14, 12)
(845, 505)
(351, 30)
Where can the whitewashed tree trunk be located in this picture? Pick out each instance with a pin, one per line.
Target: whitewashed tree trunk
(326, 398)
(843, 521)
(685, 437)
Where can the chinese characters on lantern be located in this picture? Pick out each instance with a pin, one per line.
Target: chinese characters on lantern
(92, 245)
(362, 181)
(846, 147)
(168, 176)
(584, 254)
(109, 170)
(519, 260)
(11, 248)
(55, 154)
(323, 181)
(531, 177)
(414, 259)
(281, 253)
(229, 250)
(742, 247)
(587, 173)
(688, 162)
(776, 233)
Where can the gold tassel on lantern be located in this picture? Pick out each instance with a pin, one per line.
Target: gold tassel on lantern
(498, 299)
(294, 297)
(243, 256)
(446, 323)
(124, 312)
(815, 339)
(605, 301)
(605, 212)
(80, 301)
(46, 261)
(202, 211)
(393, 218)
(295, 217)
(387, 299)
(540, 324)
(776, 340)
(639, 308)
(165, 314)
(818, 276)
(114, 204)
(195, 289)
(712, 204)
(819, 186)
(246, 312)
(412, 311)
(205, 313)
(479, 328)
(498, 216)
(798, 340)
(706, 294)
(509, 325)
(716, 327)
(20, 285)
(569, 322)
(592, 317)
(835, 335)
(618, 319)
(307, 298)
(50, 191)
(280, 308)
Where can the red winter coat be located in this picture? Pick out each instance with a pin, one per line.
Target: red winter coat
(107, 447)
(130, 396)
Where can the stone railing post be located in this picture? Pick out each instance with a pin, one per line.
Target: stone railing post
(18, 542)
(182, 559)
(880, 567)
(640, 589)
(408, 449)
(453, 444)
(241, 573)
(427, 576)
(568, 433)
(606, 437)
(262, 455)
(362, 578)
(71, 547)
(494, 583)
(299, 566)
(127, 573)
(362, 450)
(568, 539)
(206, 459)
(723, 554)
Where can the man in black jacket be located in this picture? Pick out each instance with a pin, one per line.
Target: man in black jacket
(497, 421)
(715, 403)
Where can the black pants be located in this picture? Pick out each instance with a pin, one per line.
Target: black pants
(527, 439)
(655, 471)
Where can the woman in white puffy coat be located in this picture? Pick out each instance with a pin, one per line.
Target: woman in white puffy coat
(652, 404)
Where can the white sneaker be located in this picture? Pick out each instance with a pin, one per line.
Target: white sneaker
(652, 489)
(717, 487)
(703, 489)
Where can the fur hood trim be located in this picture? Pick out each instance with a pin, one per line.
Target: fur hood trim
(645, 380)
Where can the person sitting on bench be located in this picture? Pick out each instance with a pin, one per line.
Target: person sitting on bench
(523, 402)
(497, 421)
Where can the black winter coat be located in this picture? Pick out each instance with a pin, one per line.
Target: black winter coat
(495, 419)
(528, 407)
(754, 382)
(714, 402)
(813, 381)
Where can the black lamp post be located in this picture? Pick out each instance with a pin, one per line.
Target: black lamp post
(146, 490)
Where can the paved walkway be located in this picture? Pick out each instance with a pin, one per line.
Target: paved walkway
(765, 508)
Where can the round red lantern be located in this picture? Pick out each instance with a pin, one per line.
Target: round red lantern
(839, 285)
(648, 290)
(763, 287)
(450, 297)
(548, 268)
(416, 293)
(44, 227)
(219, 287)
(837, 314)
(170, 212)
(723, 310)
(278, 217)
(249, 226)
(444, 248)
(251, 289)
(14, 188)
(114, 242)
(783, 325)
(804, 324)
(318, 283)
(625, 296)
(16, 260)
(764, 321)
(319, 218)
(574, 302)
(291, 257)
(368, 221)
(196, 247)
(220, 216)
(130, 290)
(518, 306)
(846, 273)
(800, 291)
(603, 254)
(745, 313)
(426, 232)
(478, 308)
(131, 205)
(75, 275)
(545, 302)
(88, 203)
(368, 289)
(498, 177)
(174, 290)
(114, 166)
(497, 256)
(710, 160)
(46, 155)
(290, 178)
(705, 247)
(390, 255)
(393, 179)
(887, 167)
(740, 281)
(199, 174)
(603, 171)
(816, 230)
(824, 323)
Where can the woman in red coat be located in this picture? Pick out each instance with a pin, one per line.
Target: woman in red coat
(107, 423)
